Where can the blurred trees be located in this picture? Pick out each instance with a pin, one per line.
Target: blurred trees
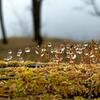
(36, 16)
(36, 13)
(21, 22)
(2, 24)
(94, 5)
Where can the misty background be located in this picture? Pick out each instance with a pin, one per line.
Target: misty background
(59, 19)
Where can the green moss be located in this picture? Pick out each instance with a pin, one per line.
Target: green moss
(79, 98)
(26, 63)
(13, 64)
(55, 81)
(3, 64)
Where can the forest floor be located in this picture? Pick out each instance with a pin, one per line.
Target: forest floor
(20, 43)
(14, 44)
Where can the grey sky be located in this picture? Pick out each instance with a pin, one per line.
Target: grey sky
(59, 19)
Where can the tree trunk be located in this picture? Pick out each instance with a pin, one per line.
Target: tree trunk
(2, 24)
(36, 13)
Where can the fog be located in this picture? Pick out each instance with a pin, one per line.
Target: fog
(59, 19)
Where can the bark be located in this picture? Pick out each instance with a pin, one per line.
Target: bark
(36, 13)
(2, 24)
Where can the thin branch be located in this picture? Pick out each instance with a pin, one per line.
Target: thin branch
(94, 6)
(87, 2)
(97, 12)
(20, 20)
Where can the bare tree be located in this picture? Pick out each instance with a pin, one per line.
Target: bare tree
(93, 4)
(36, 13)
(2, 24)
